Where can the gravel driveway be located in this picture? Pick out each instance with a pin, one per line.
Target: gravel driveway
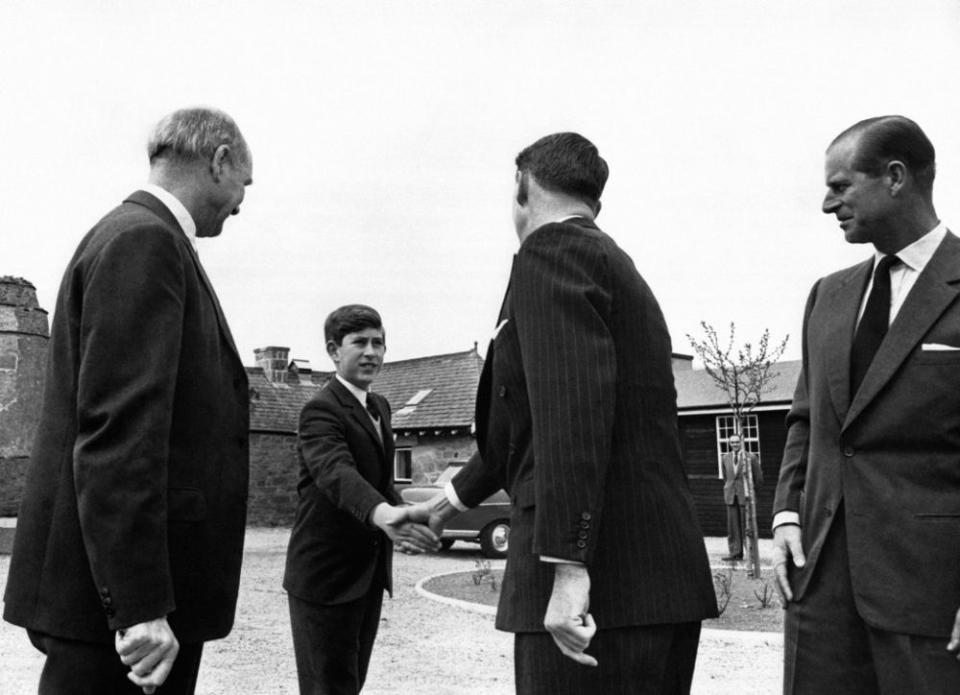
(423, 646)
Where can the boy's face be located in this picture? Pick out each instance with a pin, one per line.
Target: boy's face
(359, 356)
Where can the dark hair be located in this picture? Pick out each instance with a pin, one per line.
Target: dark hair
(566, 163)
(883, 139)
(351, 318)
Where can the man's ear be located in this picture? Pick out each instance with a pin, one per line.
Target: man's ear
(333, 350)
(218, 160)
(897, 175)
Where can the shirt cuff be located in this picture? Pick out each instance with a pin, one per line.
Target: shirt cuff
(453, 498)
(559, 561)
(785, 518)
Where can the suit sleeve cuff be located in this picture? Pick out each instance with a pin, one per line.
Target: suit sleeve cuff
(453, 498)
(559, 561)
(785, 518)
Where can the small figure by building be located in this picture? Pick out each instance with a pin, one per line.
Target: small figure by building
(736, 493)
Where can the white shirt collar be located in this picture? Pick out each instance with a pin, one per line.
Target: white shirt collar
(360, 394)
(918, 254)
(177, 209)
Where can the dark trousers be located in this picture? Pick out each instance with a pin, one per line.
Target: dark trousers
(332, 644)
(653, 660)
(736, 523)
(828, 648)
(89, 668)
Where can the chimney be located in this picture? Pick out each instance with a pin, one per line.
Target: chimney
(273, 361)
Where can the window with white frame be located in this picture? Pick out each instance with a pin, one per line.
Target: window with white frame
(726, 427)
(403, 465)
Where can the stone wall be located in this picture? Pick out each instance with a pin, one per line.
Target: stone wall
(273, 479)
(23, 353)
(432, 454)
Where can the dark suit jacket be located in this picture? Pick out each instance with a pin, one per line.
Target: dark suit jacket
(135, 499)
(334, 553)
(733, 482)
(890, 453)
(576, 418)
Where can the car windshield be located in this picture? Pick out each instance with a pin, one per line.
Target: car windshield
(447, 474)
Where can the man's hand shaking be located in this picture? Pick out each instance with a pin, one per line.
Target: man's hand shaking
(405, 526)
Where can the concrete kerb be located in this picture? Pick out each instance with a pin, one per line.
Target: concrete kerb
(456, 602)
(743, 637)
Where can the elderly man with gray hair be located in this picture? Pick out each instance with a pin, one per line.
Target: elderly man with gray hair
(130, 534)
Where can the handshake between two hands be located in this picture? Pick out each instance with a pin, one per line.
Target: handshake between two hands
(414, 528)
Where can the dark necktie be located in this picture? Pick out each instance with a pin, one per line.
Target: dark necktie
(375, 416)
(873, 324)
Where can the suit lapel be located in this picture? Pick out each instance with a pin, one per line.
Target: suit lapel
(153, 204)
(357, 411)
(933, 292)
(840, 323)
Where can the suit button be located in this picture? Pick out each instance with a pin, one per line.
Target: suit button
(584, 524)
(583, 535)
(848, 451)
(586, 516)
(110, 612)
(581, 544)
(107, 601)
(827, 511)
(502, 391)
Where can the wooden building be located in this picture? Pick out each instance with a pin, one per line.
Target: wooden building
(706, 422)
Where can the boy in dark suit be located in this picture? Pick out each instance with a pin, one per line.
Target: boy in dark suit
(339, 558)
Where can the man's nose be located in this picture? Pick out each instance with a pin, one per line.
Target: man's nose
(830, 203)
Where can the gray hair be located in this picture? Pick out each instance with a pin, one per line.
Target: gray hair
(195, 133)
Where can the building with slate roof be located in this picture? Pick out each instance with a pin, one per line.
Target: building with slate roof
(431, 399)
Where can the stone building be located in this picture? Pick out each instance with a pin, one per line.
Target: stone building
(24, 333)
(432, 400)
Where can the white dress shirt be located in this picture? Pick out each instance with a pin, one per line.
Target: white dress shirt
(361, 396)
(903, 276)
(176, 208)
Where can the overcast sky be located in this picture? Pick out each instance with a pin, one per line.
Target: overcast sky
(383, 136)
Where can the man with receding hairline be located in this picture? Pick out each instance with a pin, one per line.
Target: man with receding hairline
(130, 533)
(867, 511)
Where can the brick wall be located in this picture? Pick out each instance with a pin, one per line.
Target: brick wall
(273, 479)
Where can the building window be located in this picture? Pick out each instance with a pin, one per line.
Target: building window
(403, 465)
(726, 427)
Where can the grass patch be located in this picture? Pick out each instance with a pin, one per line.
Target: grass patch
(743, 612)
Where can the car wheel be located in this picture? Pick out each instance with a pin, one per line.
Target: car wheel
(494, 539)
(446, 543)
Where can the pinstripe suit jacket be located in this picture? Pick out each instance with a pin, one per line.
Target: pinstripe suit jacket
(576, 418)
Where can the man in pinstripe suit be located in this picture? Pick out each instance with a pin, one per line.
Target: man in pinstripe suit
(607, 577)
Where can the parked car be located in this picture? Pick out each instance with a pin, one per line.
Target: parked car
(487, 524)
